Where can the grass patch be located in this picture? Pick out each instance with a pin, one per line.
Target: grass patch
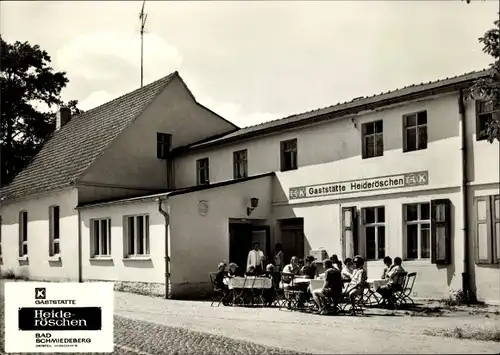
(12, 275)
(468, 332)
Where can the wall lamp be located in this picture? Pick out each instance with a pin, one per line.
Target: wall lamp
(254, 202)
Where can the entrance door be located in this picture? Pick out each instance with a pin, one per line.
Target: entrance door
(350, 232)
(241, 239)
(292, 238)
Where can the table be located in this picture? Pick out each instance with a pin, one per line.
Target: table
(376, 283)
(316, 284)
(249, 282)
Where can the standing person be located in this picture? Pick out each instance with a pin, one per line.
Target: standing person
(332, 287)
(279, 257)
(256, 258)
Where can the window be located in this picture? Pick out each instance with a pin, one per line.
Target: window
(289, 155)
(101, 237)
(418, 225)
(54, 230)
(163, 142)
(349, 232)
(240, 164)
(23, 233)
(373, 220)
(487, 229)
(137, 235)
(415, 131)
(373, 139)
(484, 116)
(202, 172)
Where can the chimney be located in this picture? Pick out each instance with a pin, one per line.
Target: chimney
(62, 117)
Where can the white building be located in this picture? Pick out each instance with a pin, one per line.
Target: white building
(401, 174)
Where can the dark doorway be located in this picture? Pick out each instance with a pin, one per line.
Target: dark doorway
(241, 239)
(292, 237)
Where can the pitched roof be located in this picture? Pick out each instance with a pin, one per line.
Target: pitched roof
(71, 150)
(339, 109)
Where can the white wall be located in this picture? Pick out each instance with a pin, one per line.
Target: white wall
(132, 155)
(333, 150)
(116, 267)
(38, 265)
(323, 228)
(199, 243)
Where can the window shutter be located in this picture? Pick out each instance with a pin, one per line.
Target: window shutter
(495, 215)
(482, 233)
(441, 231)
(349, 231)
(20, 236)
(51, 231)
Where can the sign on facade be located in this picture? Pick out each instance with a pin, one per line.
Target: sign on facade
(361, 185)
(58, 317)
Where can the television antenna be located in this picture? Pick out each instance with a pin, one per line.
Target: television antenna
(143, 17)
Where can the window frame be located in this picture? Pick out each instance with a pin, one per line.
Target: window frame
(239, 163)
(146, 240)
(493, 256)
(1, 225)
(23, 233)
(480, 115)
(163, 145)
(419, 222)
(416, 127)
(292, 150)
(364, 137)
(376, 225)
(107, 240)
(200, 168)
(54, 230)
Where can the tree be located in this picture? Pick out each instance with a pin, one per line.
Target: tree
(488, 88)
(26, 80)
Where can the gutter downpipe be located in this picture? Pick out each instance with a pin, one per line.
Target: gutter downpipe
(167, 258)
(465, 200)
(80, 276)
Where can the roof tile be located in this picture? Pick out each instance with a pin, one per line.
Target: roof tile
(72, 149)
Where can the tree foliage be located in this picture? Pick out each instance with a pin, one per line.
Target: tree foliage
(26, 81)
(488, 88)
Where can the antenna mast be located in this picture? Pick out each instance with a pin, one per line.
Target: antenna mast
(143, 17)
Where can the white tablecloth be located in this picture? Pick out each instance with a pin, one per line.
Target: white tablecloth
(251, 282)
(316, 284)
(376, 283)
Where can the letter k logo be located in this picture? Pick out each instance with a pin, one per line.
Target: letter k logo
(40, 293)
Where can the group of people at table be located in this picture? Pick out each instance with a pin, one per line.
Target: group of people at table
(347, 280)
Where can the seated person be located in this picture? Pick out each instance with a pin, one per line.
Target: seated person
(232, 270)
(395, 276)
(331, 288)
(268, 293)
(388, 266)
(309, 269)
(251, 271)
(219, 278)
(347, 270)
(288, 272)
(337, 264)
(358, 280)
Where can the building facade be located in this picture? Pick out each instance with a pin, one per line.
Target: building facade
(406, 173)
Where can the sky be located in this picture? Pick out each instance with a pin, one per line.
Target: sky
(254, 61)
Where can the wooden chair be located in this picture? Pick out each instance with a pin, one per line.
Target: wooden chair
(403, 296)
(219, 295)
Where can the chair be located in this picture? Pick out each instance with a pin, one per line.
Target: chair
(220, 295)
(357, 306)
(403, 296)
(291, 296)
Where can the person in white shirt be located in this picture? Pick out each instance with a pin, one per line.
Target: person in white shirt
(279, 257)
(347, 270)
(256, 259)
